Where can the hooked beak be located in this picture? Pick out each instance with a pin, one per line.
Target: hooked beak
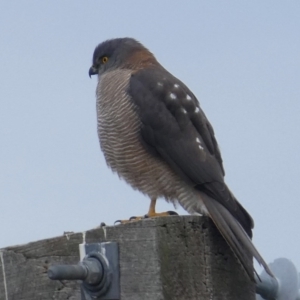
(93, 71)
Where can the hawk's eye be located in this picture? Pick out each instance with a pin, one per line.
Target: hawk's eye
(104, 59)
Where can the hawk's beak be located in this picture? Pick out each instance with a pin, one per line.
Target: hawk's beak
(93, 71)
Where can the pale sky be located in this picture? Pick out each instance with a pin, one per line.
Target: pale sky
(240, 58)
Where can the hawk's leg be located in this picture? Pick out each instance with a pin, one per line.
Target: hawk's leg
(151, 214)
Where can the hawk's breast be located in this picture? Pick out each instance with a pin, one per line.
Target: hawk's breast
(120, 140)
(119, 135)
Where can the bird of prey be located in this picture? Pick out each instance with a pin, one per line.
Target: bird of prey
(154, 134)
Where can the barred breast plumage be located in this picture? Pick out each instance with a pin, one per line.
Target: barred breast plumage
(118, 131)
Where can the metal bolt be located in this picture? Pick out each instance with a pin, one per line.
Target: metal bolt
(89, 271)
(99, 272)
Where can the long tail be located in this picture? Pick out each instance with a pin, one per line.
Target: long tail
(235, 236)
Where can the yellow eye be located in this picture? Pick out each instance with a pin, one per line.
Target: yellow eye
(104, 59)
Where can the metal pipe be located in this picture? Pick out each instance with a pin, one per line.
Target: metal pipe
(267, 287)
(65, 272)
(89, 270)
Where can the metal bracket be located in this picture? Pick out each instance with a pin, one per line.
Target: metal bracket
(99, 271)
(284, 287)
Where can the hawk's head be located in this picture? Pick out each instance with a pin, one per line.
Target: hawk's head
(121, 53)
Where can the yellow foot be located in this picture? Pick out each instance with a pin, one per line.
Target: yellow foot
(151, 214)
(162, 214)
(128, 221)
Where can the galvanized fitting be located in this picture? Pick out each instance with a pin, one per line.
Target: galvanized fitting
(99, 271)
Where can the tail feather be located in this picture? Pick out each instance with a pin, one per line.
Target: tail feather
(235, 236)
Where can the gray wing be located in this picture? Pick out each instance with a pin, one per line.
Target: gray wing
(176, 129)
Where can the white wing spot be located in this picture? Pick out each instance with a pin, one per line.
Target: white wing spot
(200, 147)
(197, 109)
(188, 97)
(172, 96)
(198, 141)
(183, 110)
(176, 86)
(159, 84)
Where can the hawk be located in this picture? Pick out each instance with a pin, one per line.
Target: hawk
(155, 136)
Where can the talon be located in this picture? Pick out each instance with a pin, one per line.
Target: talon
(151, 214)
(172, 213)
(128, 221)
